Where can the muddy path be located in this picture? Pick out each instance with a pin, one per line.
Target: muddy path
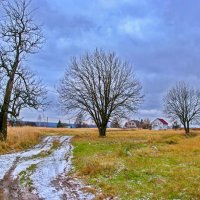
(41, 173)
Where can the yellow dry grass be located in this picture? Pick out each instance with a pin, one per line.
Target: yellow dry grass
(130, 164)
(19, 139)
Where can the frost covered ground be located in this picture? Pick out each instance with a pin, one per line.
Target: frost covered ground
(41, 173)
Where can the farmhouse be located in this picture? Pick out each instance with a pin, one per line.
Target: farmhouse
(159, 124)
(132, 124)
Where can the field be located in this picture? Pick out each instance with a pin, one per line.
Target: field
(129, 164)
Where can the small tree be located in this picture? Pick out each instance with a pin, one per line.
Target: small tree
(85, 125)
(182, 103)
(59, 124)
(115, 123)
(79, 120)
(145, 124)
(175, 125)
(100, 85)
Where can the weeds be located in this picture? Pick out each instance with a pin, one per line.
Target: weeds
(55, 145)
(24, 177)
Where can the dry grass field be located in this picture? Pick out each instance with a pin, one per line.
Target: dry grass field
(129, 164)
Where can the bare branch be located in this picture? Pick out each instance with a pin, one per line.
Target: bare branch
(183, 103)
(19, 37)
(28, 92)
(101, 85)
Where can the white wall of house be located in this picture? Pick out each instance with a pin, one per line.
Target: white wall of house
(158, 125)
(131, 124)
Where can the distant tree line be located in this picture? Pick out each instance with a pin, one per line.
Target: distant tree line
(18, 123)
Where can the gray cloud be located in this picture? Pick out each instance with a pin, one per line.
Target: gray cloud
(159, 38)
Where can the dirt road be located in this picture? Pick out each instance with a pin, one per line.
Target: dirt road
(41, 173)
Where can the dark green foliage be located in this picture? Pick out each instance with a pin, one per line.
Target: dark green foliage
(59, 124)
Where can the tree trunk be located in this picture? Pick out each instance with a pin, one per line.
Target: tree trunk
(3, 126)
(188, 128)
(4, 110)
(102, 131)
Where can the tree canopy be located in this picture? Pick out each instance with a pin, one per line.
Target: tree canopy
(182, 103)
(100, 85)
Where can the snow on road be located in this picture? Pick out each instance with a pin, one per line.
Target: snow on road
(49, 168)
(6, 162)
(42, 171)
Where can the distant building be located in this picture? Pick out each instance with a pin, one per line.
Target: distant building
(159, 124)
(132, 124)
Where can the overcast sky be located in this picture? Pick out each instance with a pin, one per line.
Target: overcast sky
(161, 39)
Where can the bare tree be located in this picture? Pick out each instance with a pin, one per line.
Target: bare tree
(176, 125)
(116, 122)
(145, 124)
(182, 103)
(28, 92)
(100, 85)
(79, 120)
(19, 37)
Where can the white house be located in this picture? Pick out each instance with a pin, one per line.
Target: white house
(132, 124)
(159, 124)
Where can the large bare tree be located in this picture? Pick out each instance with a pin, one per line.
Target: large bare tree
(19, 37)
(182, 103)
(101, 85)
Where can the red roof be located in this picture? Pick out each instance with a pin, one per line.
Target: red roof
(163, 121)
